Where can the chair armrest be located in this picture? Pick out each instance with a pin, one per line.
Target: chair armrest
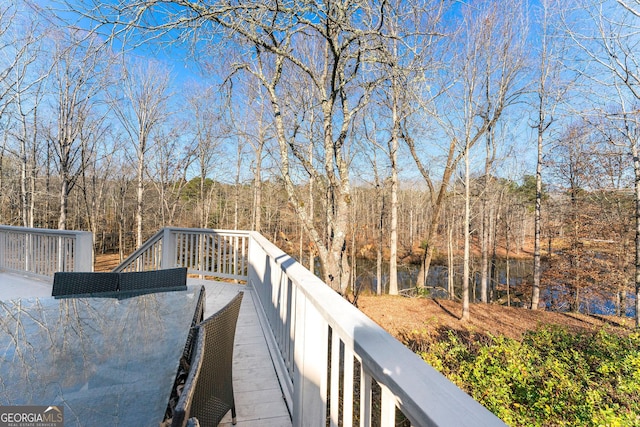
(182, 410)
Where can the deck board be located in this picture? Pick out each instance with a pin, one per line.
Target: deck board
(259, 400)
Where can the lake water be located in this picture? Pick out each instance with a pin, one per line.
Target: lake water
(520, 274)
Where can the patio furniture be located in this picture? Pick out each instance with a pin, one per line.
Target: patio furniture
(187, 358)
(213, 388)
(154, 280)
(106, 361)
(197, 318)
(84, 283)
(183, 407)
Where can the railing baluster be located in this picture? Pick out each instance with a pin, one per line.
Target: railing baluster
(335, 380)
(310, 376)
(236, 251)
(207, 266)
(388, 407)
(291, 291)
(347, 392)
(220, 254)
(365, 398)
(278, 298)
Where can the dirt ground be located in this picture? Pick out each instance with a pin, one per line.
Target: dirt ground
(397, 314)
(106, 262)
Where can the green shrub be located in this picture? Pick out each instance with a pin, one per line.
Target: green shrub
(553, 377)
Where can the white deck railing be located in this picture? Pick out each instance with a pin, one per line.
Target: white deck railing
(41, 252)
(335, 365)
(217, 253)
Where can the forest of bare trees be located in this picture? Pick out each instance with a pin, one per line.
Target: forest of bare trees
(421, 133)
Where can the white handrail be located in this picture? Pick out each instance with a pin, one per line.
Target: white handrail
(146, 257)
(218, 253)
(319, 336)
(41, 252)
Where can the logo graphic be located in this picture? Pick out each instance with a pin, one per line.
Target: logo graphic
(31, 416)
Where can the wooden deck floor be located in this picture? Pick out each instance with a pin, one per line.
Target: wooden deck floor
(259, 400)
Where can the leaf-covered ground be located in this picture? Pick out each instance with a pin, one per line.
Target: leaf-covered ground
(399, 314)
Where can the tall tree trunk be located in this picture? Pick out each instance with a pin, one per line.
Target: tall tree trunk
(236, 195)
(432, 227)
(537, 267)
(486, 220)
(140, 191)
(379, 224)
(64, 200)
(393, 232)
(24, 196)
(450, 266)
(467, 243)
(484, 252)
(257, 186)
(312, 258)
(636, 170)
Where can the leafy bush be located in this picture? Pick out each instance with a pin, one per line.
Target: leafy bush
(553, 377)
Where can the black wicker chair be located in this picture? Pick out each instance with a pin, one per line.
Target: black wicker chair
(198, 316)
(213, 389)
(77, 284)
(170, 279)
(181, 412)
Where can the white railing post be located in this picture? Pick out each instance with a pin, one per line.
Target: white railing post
(168, 259)
(28, 252)
(3, 250)
(60, 253)
(83, 252)
(310, 371)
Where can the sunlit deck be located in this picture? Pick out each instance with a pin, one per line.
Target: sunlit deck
(257, 391)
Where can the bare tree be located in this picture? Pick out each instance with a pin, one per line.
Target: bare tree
(206, 121)
(169, 166)
(488, 64)
(330, 63)
(22, 71)
(573, 165)
(258, 136)
(607, 33)
(410, 35)
(414, 24)
(550, 90)
(77, 81)
(140, 108)
(10, 52)
(28, 71)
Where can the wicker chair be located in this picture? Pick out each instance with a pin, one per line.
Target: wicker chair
(198, 316)
(213, 391)
(170, 279)
(75, 284)
(181, 412)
